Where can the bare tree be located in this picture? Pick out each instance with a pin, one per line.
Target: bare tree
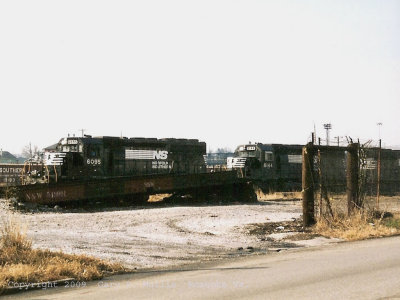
(224, 150)
(29, 151)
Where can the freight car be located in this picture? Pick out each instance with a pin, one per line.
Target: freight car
(13, 174)
(83, 158)
(10, 174)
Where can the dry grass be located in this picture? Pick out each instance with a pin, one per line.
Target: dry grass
(261, 196)
(158, 197)
(361, 225)
(20, 263)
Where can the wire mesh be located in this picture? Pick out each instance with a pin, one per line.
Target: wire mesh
(378, 178)
(330, 180)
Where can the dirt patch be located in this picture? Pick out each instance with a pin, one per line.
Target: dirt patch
(160, 235)
(294, 225)
(301, 236)
(282, 234)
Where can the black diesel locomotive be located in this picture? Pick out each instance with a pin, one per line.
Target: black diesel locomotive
(278, 167)
(82, 168)
(80, 158)
(271, 166)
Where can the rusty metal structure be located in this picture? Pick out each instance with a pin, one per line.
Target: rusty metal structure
(137, 188)
(318, 178)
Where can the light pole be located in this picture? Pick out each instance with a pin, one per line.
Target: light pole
(379, 124)
(327, 127)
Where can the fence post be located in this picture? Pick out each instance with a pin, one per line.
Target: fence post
(308, 185)
(352, 177)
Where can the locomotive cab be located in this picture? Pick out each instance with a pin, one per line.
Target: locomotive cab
(273, 166)
(74, 158)
(246, 156)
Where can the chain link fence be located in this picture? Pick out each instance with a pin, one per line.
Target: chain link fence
(377, 181)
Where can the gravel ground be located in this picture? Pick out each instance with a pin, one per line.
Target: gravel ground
(162, 237)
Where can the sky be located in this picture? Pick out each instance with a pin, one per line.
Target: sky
(224, 72)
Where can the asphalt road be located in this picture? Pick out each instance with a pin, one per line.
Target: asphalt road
(358, 270)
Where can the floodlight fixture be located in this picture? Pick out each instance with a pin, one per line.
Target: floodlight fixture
(327, 126)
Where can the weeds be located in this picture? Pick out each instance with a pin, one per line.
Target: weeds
(392, 222)
(13, 236)
(8, 192)
(361, 225)
(277, 195)
(158, 197)
(19, 262)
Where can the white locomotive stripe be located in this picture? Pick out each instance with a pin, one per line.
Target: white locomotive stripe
(139, 154)
(236, 162)
(54, 159)
(145, 154)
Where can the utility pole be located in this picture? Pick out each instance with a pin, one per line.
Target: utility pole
(83, 131)
(379, 124)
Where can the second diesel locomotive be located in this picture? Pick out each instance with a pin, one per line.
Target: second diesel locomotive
(82, 158)
(278, 167)
(270, 166)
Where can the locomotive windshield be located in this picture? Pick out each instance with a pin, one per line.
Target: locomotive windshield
(71, 145)
(71, 148)
(247, 151)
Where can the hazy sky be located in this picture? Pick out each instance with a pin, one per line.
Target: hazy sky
(225, 72)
